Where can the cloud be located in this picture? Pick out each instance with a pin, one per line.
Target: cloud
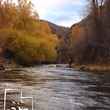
(67, 20)
(58, 10)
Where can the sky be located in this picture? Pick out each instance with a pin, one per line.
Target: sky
(61, 12)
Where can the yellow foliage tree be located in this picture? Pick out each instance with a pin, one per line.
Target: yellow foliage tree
(28, 39)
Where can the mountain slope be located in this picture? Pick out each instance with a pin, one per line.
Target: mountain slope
(60, 31)
(90, 40)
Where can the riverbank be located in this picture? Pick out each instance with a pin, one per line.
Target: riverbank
(92, 67)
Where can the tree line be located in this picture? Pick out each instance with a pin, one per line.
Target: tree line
(88, 42)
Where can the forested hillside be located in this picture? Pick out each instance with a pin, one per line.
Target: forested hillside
(89, 40)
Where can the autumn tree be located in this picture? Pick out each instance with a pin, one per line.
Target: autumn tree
(24, 37)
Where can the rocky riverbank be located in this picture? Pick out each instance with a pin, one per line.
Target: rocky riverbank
(92, 67)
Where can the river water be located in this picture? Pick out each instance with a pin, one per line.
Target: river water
(56, 88)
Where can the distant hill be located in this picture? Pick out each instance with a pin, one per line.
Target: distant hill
(60, 31)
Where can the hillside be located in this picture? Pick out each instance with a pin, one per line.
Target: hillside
(60, 31)
(90, 38)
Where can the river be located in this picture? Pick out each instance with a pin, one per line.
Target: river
(56, 88)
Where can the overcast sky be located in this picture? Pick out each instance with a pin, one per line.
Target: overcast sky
(62, 12)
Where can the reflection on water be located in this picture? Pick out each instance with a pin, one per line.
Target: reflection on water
(59, 88)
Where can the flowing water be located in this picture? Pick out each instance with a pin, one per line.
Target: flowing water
(56, 88)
